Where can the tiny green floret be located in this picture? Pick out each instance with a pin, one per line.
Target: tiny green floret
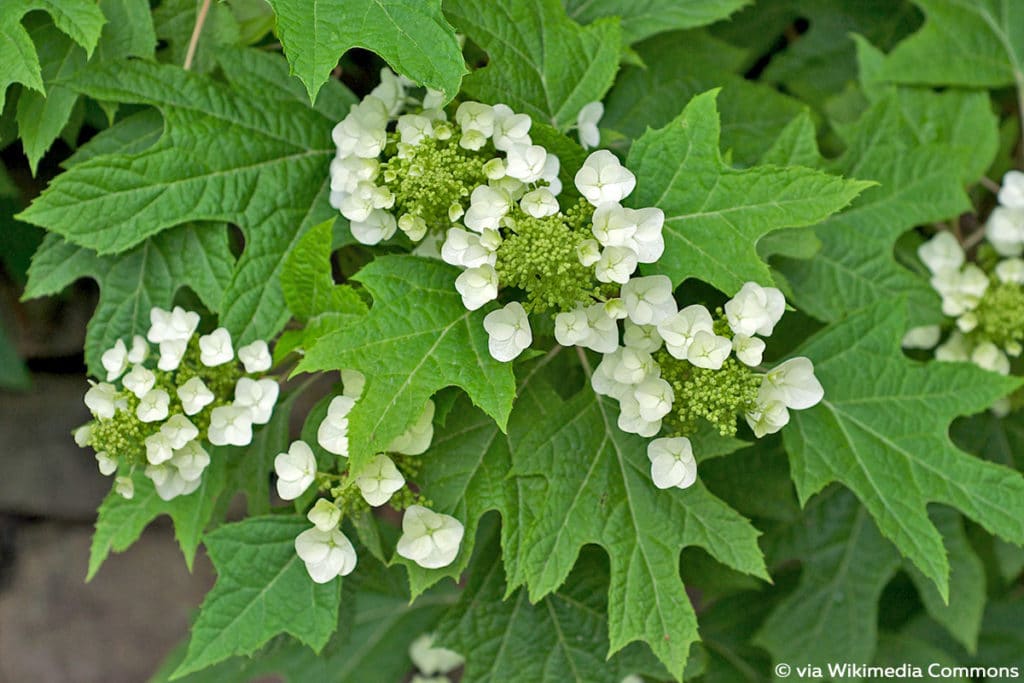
(717, 396)
(1000, 314)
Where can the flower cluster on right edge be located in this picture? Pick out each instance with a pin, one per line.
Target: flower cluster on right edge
(984, 298)
(679, 368)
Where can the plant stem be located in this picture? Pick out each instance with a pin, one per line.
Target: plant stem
(193, 42)
(989, 184)
(585, 362)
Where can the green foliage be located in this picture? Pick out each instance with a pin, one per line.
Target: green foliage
(80, 20)
(262, 165)
(644, 18)
(715, 214)
(974, 44)
(809, 145)
(883, 425)
(418, 338)
(598, 491)
(411, 35)
(262, 590)
(541, 62)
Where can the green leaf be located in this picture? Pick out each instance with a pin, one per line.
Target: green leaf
(261, 164)
(127, 33)
(679, 66)
(411, 35)
(307, 282)
(561, 638)
(644, 18)
(963, 613)
(599, 491)
(465, 471)
(919, 181)
(714, 214)
(80, 20)
(131, 283)
(262, 590)
(881, 431)
(377, 623)
(121, 521)
(541, 63)
(833, 613)
(796, 144)
(417, 339)
(972, 43)
(897, 649)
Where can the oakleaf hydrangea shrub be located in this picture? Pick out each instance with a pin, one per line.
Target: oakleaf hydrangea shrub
(702, 302)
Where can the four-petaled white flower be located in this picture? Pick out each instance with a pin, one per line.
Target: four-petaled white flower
(571, 327)
(158, 449)
(941, 253)
(230, 426)
(586, 124)
(648, 300)
(215, 348)
(379, 480)
(616, 264)
(194, 396)
(102, 400)
(1011, 194)
(139, 350)
(755, 310)
(767, 416)
(327, 554)
(654, 397)
(171, 353)
(672, 462)
(115, 360)
(989, 357)
(509, 128)
(325, 515)
(295, 470)
(679, 330)
(602, 178)
(749, 350)
(1004, 230)
(642, 337)
(417, 438)
(255, 357)
(477, 286)
(258, 397)
(508, 331)
(153, 406)
(708, 350)
(332, 434)
(178, 430)
(466, 249)
(139, 380)
(106, 464)
(487, 206)
(525, 163)
(429, 539)
(539, 203)
(379, 225)
(174, 325)
(793, 384)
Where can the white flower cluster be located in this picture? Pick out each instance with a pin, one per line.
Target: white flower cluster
(432, 662)
(631, 375)
(985, 298)
(430, 539)
(163, 410)
(516, 180)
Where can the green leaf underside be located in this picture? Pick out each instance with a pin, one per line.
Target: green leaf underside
(121, 521)
(714, 214)
(131, 283)
(223, 156)
(882, 430)
(643, 18)
(598, 490)
(563, 637)
(541, 63)
(972, 43)
(417, 339)
(411, 35)
(80, 20)
(904, 143)
(262, 590)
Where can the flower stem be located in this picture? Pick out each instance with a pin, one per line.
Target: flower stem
(193, 42)
(585, 362)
